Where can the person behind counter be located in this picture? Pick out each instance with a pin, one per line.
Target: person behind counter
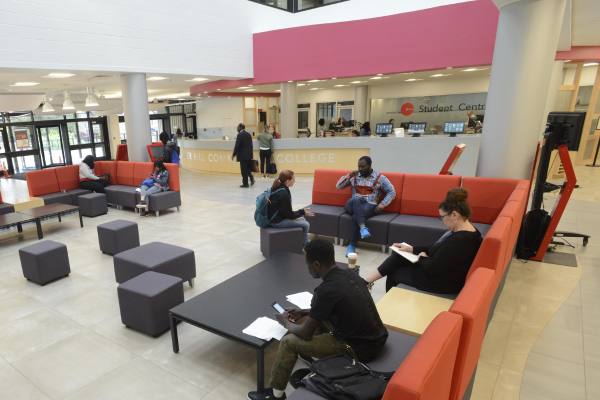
(321, 129)
(265, 146)
(365, 129)
(443, 266)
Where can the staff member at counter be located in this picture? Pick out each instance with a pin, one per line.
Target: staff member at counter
(243, 151)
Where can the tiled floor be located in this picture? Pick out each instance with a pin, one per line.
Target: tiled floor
(66, 340)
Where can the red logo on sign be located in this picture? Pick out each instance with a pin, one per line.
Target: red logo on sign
(407, 109)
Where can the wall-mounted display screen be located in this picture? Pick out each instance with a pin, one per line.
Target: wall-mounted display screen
(454, 127)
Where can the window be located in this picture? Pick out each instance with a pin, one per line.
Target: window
(84, 133)
(79, 154)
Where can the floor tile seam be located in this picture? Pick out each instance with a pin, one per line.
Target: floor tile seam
(32, 383)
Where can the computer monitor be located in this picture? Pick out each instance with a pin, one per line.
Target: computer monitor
(572, 127)
(417, 127)
(383, 129)
(452, 128)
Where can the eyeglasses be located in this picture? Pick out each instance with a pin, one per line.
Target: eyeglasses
(444, 216)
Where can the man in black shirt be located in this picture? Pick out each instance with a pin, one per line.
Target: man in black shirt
(243, 151)
(342, 319)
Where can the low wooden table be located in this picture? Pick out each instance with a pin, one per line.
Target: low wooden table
(409, 311)
(14, 219)
(48, 211)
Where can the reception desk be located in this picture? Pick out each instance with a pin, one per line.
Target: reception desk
(424, 154)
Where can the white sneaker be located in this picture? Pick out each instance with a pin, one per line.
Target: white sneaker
(142, 206)
(138, 190)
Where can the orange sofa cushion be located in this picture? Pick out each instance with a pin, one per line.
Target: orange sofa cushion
(173, 177)
(106, 167)
(68, 177)
(473, 304)
(141, 171)
(397, 180)
(42, 182)
(324, 191)
(422, 194)
(125, 173)
(487, 196)
(426, 373)
(493, 250)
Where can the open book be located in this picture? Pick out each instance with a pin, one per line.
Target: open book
(413, 258)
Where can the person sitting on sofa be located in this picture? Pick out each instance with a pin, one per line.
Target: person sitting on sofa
(157, 182)
(371, 193)
(342, 320)
(280, 210)
(88, 179)
(443, 266)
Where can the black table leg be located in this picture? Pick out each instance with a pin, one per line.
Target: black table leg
(19, 228)
(174, 337)
(80, 219)
(59, 219)
(260, 370)
(38, 225)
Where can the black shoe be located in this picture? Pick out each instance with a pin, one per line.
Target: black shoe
(244, 186)
(297, 376)
(251, 181)
(266, 394)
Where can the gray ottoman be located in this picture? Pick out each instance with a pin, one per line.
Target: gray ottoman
(145, 301)
(93, 204)
(156, 256)
(45, 261)
(117, 236)
(276, 240)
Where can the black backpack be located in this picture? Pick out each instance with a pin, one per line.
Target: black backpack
(343, 378)
(532, 233)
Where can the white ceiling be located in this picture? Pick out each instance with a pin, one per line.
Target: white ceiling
(586, 23)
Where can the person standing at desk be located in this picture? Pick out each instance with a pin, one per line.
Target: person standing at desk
(243, 151)
(265, 146)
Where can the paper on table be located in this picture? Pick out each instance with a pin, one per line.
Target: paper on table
(413, 258)
(301, 300)
(266, 329)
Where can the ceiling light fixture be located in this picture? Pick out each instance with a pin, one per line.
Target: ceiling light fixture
(315, 88)
(244, 87)
(333, 78)
(67, 102)
(156, 78)
(25, 84)
(114, 95)
(290, 81)
(301, 84)
(439, 75)
(340, 85)
(250, 90)
(47, 107)
(591, 64)
(472, 69)
(379, 74)
(355, 82)
(58, 75)
(91, 100)
(196, 80)
(375, 77)
(314, 80)
(412, 80)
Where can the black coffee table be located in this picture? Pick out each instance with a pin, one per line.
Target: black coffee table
(15, 219)
(231, 306)
(48, 211)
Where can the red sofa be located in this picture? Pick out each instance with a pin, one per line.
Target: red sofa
(61, 184)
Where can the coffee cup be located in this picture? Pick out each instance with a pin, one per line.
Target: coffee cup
(352, 258)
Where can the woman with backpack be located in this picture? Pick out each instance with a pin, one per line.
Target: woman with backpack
(157, 182)
(280, 211)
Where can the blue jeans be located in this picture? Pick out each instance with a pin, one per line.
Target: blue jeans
(294, 223)
(360, 210)
(145, 191)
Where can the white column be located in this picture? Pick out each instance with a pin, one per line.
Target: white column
(289, 110)
(114, 133)
(556, 79)
(361, 98)
(137, 118)
(526, 42)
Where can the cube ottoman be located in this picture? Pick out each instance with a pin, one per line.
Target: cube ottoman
(93, 204)
(156, 256)
(275, 240)
(45, 261)
(117, 236)
(145, 301)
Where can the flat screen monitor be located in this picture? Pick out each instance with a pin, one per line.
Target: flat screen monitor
(384, 129)
(454, 127)
(572, 127)
(417, 127)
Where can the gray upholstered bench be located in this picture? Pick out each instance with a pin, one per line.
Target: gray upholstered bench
(45, 261)
(326, 219)
(93, 204)
(145, 301)
(156, 256)
(377, 224)
(275, 240)
(117, 236)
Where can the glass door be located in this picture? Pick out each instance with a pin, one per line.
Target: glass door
(51, 145)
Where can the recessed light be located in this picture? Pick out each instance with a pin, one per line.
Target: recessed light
(250, 90)
(301, 84)
(278, 90)
(472, 69)
(114, 95)
(25, 84)
(244, 87)
(156, 78)
(314, 80)
(218, 90)
(340, 85)
(439, 75)
(333, 78)
(591, 64)
(315, 88)
(375, 77)
(290, 81)
(356, 82)
(412, 80)
(58, 75)
(379, 74)
(199, 79)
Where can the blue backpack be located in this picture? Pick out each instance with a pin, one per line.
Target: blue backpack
(261, 215)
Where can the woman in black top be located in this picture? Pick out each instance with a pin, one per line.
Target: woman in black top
(443, 266)
(280, 205)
